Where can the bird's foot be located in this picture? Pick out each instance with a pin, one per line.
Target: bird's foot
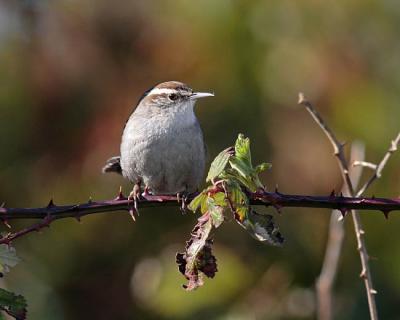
(182, 197)
(146, 191)
(135, 196)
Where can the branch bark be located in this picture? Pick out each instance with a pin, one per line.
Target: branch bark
(52, 212)
(360, 233)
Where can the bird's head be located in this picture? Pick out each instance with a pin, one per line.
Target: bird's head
(170, 96)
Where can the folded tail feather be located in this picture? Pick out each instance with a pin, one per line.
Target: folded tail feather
(113, 165)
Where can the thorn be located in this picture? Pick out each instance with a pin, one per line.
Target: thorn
(363, 274)
(278, 208)
(47, 220)
(120, 195)
(51, 203)
(6, 223)
(341, 194)
(90, 200)
(343, 211)
(301, 98)
(78, 218)
(332, 195)
(276, 189)
(6, 238)
(373, 291)
(362, 231)
(2, 205)
(386, 214)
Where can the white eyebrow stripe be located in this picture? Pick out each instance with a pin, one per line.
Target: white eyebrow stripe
(162, 91)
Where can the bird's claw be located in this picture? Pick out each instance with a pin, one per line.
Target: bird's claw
(135, 196)
(182, 197)
(146, 191)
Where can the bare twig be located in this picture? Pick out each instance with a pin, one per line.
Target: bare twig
(378, 170)
(10, 236)
(361, 246)
(337, 146)
(334, 246)
(52, 212)
(364, 164)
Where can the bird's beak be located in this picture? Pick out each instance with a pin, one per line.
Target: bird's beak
(198, 95)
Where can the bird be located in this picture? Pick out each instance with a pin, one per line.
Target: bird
(162, 145)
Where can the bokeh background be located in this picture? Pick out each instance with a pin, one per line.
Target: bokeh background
(71, 72)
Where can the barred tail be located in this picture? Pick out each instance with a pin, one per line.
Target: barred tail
(113, 165)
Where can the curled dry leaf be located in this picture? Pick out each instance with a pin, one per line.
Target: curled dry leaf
(198, 260)
(263, 228)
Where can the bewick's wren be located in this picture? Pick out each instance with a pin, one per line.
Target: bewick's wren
(162, 144)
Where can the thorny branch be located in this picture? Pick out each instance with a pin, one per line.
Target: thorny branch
(339, 153)
(52, 212)
(326, 279)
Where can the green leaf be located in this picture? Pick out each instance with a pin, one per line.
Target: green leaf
(238, 199)
(241, 212)
(263, 166)
(219, 163)
(241, 164)
(242, 174)
(197, 201)
(241, 167)
(204, 206)
(216, 212)
(14, 305)
(217, 216)
(242, 149)
(8, 258)
(236, 194)
(263, 228)
(219, 199)
(232, 176)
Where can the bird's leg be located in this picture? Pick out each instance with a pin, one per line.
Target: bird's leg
(134, 195)
(182, 197)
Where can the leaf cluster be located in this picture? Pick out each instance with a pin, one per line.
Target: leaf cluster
(12, 304)
(231, 176)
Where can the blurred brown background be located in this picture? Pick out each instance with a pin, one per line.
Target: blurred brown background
(70, 74)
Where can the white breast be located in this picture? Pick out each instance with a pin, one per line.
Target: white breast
(165, 149)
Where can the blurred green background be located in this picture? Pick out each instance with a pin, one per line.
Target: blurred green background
(71, 72)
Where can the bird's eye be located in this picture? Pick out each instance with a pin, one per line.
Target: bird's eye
(173, 96)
